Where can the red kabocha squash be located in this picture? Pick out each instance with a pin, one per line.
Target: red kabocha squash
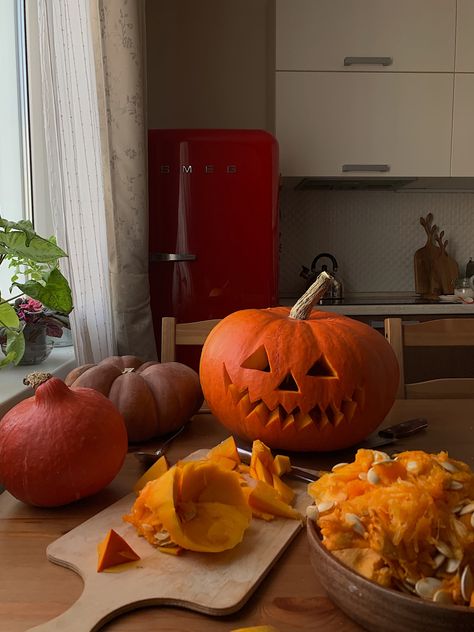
(153, 398)
(298, 379)
(61, 444)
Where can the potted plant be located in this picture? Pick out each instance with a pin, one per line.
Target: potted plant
(45, 295)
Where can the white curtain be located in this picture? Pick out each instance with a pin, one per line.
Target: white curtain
(92, 65)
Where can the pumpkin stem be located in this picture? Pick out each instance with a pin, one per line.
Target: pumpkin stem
(303, 306)
(36, 378)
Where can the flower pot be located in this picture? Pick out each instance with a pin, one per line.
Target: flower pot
(37, 344)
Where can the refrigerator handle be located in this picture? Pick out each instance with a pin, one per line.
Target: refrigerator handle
(170, 256)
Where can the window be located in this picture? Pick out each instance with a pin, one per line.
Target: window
(15, 197)
(23, 177)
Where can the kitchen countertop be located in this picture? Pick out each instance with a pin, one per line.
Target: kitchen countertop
(390, 303)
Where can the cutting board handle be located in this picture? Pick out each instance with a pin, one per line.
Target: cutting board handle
(89, 613)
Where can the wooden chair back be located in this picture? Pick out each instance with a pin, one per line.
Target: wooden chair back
(174, 334)
(442, 332)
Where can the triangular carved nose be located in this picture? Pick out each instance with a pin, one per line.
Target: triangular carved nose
(288, 384)
(321, 368)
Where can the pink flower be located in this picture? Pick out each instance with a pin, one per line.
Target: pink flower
(32, 305)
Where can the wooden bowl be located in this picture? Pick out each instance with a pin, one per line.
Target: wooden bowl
(377, 608)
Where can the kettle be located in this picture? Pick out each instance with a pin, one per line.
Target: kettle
(336, 289)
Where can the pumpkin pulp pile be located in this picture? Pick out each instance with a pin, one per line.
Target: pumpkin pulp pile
(406, 523)
(206, 505)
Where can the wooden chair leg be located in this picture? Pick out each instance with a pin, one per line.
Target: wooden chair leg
(168, 338)
(394, 335)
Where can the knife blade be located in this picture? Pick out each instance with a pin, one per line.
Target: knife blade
(387, 436)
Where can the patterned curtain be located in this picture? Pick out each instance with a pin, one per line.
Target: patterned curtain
(93, 81)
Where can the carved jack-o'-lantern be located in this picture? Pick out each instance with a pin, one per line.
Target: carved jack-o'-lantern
(298, 379)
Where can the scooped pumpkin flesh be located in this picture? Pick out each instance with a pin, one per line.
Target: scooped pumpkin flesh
(199, 504)
(413, 515)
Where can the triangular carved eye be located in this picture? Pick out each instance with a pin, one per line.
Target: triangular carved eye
(322, 368)
(258, 360)
(288, 384)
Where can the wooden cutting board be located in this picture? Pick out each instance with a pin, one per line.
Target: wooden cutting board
(212, 583)
(445, 268)
(426, 282)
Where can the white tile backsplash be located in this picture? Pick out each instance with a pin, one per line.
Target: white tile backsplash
(373, 235)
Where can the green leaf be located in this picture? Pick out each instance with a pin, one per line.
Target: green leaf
(56, 294)
(8, 316)
(33, 247)
(15, 345)
(15, 348)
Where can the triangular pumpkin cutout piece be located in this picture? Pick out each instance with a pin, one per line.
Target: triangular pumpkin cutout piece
(113, 550)
(321, 368)
(257, 360)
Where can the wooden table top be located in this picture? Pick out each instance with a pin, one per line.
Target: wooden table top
(33, 590)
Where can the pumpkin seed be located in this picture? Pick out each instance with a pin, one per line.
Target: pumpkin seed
(460, 529)
(412, 466)
(455, 485)
(355, 522)
(427, 586)
(362, 476)
(312, 512)
(338, 465)
(325, 506)
(467, 583)
(373, 477)
(380, 456)
(448, 466)
(444, 549)
(452, 565)
(438, 560)
(162, 537)
(469, 508)
(405, 586)
(443, 596)
(472, 520)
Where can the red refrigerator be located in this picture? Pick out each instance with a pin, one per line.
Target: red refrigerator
(214, 240)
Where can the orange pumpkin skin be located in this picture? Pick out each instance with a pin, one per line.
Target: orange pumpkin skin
(60, 445)
(318, 384)
(153, 398)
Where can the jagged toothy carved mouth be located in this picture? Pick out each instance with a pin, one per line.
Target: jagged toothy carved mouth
(319, 417)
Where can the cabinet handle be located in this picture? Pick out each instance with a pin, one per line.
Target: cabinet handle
(374, 61)
(170, 256)
(346, 168)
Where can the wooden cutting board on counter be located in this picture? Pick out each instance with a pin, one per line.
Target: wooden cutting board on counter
(425, 282)
(211, 583)
(435, 271)
(446, 269)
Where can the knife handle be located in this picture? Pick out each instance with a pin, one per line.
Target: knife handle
(404, 429)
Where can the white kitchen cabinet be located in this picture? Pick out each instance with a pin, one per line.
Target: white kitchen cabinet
(397, 121)
(416, 35)
(463, 125)
(465, 36)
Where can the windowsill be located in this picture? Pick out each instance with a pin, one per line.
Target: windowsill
(12, 390)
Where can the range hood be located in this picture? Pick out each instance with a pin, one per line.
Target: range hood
(448, 185)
